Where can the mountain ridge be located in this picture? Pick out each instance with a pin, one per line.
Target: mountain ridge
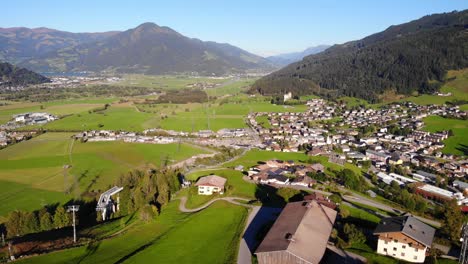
(409, 57)
(288, 58)
(11, 75)
(149, 49)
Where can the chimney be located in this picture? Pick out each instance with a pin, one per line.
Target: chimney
(289, 237)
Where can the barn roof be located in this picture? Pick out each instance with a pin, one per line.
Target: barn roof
(302, 229)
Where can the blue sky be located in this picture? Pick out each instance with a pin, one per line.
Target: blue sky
(261, 27)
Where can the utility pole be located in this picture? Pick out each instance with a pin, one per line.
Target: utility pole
(463, 259)
(10, 251)
(73, 209)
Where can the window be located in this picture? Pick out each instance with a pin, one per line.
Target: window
(394, 249)
(415, 250)
(386, 242)
(402, 254)
(403, 246)
(385, 249)
(415, 257)
(396, 241)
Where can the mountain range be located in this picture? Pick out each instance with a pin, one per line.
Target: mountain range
(20, 43)
(11, 75)
(405, 58)
(288, 58)
(148, 49)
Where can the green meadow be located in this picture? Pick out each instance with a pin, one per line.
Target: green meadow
(456, 144)
(36, 167)
(171, 232)
(457, 85)
(166, 82)
(62, 107)
(236, 186)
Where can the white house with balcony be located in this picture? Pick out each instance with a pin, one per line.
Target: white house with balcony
(404, 237)
(211, 184)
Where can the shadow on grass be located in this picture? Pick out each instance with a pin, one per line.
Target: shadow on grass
(90, 250)
(268, 196)
(463, 148)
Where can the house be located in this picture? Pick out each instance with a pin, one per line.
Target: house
(319, 198)
(303, 181)
(404, 237)
(424, 176)
(337, 159)
(462, 186)
(317, 167)
(274, 178)
(377, 156)
(299, 235)
(210, 184)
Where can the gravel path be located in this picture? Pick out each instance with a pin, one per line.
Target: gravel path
(232, 200)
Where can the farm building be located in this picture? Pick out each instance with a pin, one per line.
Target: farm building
(299, 235)
(210, 184)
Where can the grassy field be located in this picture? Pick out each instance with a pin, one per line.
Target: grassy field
(458, 87)
(125, 117)
(62, 107)
(179, 117)
(210, 236)
(231, 88)
(35, 170)
(252, 157)
(166, 82)
(456, 144)
(173, 237)
(236, 185)
(263, 121)
(360, 214)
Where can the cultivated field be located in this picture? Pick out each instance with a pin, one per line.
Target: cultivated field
(34, 169)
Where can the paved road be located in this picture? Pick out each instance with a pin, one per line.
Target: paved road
(232, 200)
(366, 201)
(341, 256)
(244, 256)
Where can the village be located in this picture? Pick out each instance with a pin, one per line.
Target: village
(386, 148)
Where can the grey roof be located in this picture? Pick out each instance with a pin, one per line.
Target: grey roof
(302, 229)
(377, 153)
(426, 174)
(409, 226)
(461, 184)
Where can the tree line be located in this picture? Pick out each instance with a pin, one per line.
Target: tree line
(146, 193)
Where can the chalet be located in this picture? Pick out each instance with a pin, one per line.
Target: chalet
(299, 235)
(404, 237)
(210, 184)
